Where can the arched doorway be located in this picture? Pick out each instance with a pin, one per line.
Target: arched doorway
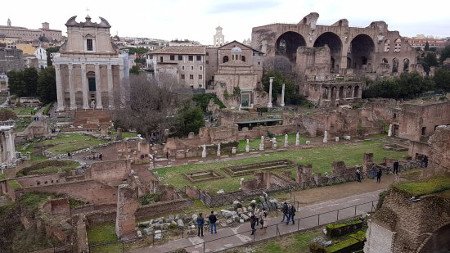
(334, 43)
(288, 43)
(361, 51)
(395, 65)
(438, 241)
(356, 93)
(406, 65)
(341, 92)
(333, 93)
(92, 88)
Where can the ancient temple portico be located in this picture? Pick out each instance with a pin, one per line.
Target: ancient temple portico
(89, 69)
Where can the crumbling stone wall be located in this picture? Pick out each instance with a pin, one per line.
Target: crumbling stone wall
(440, 148)
(411, 222)
(110, 172)
(127, 204)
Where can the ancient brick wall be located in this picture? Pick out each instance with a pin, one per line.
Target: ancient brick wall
(161, 208)
(41, 180)
(87, 190)
(127, 204)
(440, 148)
(110, 172)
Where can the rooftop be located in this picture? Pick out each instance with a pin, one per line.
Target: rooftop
(181, 50)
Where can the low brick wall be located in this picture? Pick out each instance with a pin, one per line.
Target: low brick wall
(160, 208)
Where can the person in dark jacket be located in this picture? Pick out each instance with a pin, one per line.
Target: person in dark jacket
(379, 174)
(285, 209)
(212, 223)
(291, 213)
(358, 175)
(253, 223)
(200, 223)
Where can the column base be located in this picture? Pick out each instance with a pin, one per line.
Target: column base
(269, 105)
(60, 109)
(99, 107)
(73, 108)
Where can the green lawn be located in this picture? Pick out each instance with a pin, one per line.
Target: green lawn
(25, 111)
(103, 234)
(69, 142)
(49, 167)
(22, 123)
(297, 242)
(321, 158)
(425, 187)
(254, 143)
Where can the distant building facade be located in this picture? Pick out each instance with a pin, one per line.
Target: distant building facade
(219, 38)
(420, 41)
(11, 58)
(234, 72)
(25, 34)
(89, 68)
(185, 63)
(41, 56)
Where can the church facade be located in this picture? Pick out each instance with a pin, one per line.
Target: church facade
(89, 68)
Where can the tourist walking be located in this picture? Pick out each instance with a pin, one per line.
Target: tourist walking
(200, 223)
(212, 223)
(395, 170)
(358, 175)
(262, 216)
(253, 223)
(285, 209)
(379, 174)
(291, 213)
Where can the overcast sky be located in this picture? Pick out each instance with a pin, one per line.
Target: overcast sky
(197, 19)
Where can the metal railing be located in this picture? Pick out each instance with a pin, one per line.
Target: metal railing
(271, 231)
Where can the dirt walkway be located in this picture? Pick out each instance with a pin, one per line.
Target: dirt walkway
(321, 194)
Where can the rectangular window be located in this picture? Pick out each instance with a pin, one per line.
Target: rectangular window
(180, 57)
(201, 67)
(182, 76)
(207, 62)
(199, 58)
(89, 45)
(191, 58)
(192, 67)
(200, 77)
(172, 57)
(182, 67)
(161, 59)
(191, 77)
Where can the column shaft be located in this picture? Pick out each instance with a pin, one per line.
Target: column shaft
(84, 84)
(98, 89)
(110, 87)
(73, 104)
(59, 88)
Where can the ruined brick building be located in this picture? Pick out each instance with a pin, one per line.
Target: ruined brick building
(331, 58)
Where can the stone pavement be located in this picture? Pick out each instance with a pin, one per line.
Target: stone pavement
(310, 216)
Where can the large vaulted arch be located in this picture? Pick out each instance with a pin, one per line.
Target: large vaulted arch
(361, 51)
(288, 43)
(334, 43)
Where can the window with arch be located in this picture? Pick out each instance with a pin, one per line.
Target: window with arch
(398, 45)
(89, 45)
(387, 45)
(225, 59)
(406, 65)
(243, 58)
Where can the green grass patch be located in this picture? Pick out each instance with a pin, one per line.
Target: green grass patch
(298, 242)
(70, 142)
(25, 111)
(49, 167)
(102, 233)
(321, 159)
(2, 176)
(31, 200)
(426, 186)
(28, 149)
(22, 123)
(14, 184)
(46, 110)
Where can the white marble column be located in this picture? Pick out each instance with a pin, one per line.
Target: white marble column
(247, 146)
(269, 104)
(282, 94)
(84, 84)
(390, 130)
(110, 87)
(59, 88)
(325, 137)
(204, 151)
(261, 144)
(98, 89)
(73, 104)
(10, 148)
(286, 143)
(218, 149)
(121, 85)
(297, 139)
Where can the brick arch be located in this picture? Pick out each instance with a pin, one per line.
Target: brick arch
(334, 42)
(361, 51)
(287, 44)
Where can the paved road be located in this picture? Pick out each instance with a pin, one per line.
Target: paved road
(232, 237)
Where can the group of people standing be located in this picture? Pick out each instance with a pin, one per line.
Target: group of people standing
(258, 217)
(288, 213)
(212, 218)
